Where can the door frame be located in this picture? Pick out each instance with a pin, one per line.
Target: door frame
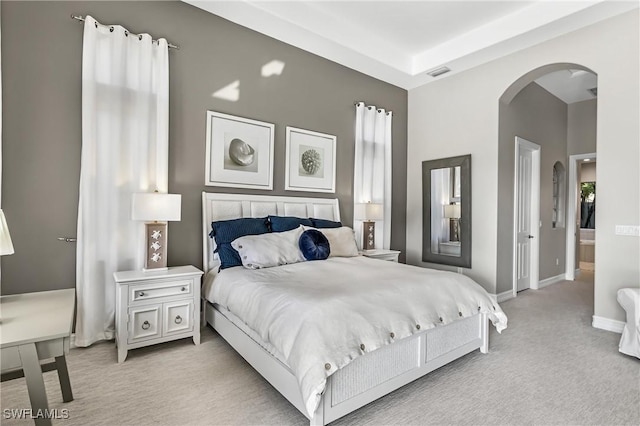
(572, 211)
(534, 266)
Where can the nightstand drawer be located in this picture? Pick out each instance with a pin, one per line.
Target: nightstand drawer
(144, 323)
(178, 317)
(154, 291)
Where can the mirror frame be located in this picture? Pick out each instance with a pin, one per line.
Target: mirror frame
(464, 260)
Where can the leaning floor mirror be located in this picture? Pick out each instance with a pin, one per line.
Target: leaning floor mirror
(446, 211)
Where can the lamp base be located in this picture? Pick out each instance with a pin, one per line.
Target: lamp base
(156, 246)
(368, 235)
(454, 233)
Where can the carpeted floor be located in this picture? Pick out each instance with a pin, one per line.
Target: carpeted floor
(549, 367)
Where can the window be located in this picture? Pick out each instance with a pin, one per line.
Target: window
(588, 205)
(557, 217)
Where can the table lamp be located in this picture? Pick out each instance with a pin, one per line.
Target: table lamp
(6, 246)
(452, 212)
(368, 213)
(156, 209)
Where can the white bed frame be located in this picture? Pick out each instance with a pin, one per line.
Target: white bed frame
(368, 377)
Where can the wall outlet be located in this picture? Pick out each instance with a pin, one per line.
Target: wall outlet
(628, 230)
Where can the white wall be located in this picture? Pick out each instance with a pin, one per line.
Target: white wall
(444, 121)
(459, 115)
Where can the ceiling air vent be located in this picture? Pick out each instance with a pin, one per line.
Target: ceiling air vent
(438, 71)
(594, 91)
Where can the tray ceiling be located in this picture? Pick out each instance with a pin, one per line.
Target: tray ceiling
(399, 41)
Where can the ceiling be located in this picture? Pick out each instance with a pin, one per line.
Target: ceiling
(570, 85)
(400, 41)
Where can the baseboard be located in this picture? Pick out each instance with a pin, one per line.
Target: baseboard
(505, 295)
(501, 297)
(607, 324)
(551, 280)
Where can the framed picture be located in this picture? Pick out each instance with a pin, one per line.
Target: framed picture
(239, 152)
(310, 161)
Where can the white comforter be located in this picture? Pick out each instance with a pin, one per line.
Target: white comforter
(319, 314)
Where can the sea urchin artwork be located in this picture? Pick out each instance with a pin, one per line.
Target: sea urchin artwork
(311, 161)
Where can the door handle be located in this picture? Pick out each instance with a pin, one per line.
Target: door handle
(529, 236)
(67, 239)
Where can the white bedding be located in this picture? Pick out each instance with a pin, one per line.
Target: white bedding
(320, 315)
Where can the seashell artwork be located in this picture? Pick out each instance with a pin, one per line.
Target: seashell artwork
(311, 161)
(241, 152)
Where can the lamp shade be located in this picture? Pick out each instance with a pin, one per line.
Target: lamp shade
(452, 211)
(368, 211)
(6, 246)
(156, 206)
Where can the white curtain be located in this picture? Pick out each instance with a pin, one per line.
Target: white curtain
(125, 121)
(372, 169)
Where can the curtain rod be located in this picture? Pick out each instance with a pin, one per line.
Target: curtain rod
(379, 110)
(81, 19)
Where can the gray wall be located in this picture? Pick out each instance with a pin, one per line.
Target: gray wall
(41, 60)
(588, 172)
(581, 139)
(537, 116)
(581, 127)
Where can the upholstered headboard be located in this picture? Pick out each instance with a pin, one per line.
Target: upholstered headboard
(232, 206)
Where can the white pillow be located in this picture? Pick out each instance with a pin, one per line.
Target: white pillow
(267, 250)
(342, 241)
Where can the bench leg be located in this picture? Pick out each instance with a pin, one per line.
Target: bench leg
(63, 377)
(35, 383)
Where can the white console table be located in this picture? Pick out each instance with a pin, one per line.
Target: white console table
(34, 327)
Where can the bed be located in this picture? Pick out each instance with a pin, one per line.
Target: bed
(362, 374)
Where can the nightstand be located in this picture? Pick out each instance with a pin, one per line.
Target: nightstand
(390, 255)
(156, 306)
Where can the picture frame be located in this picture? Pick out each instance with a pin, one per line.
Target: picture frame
(310, 161)
(239, 152)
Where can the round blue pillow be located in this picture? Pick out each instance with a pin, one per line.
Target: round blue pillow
(314, 245)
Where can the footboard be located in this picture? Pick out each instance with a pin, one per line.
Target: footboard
(368, 377)
(378, 373)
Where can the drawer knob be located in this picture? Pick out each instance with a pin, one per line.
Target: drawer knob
(184, 289)
(178, 319)
(141, 293)
(146, 325)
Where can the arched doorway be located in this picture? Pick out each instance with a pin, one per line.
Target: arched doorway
(530, 110)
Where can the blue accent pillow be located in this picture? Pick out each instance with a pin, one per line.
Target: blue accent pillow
(314, 245)
(287, 223)
(225, 231)
(324, 223)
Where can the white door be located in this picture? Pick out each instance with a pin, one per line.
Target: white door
(526, 214)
